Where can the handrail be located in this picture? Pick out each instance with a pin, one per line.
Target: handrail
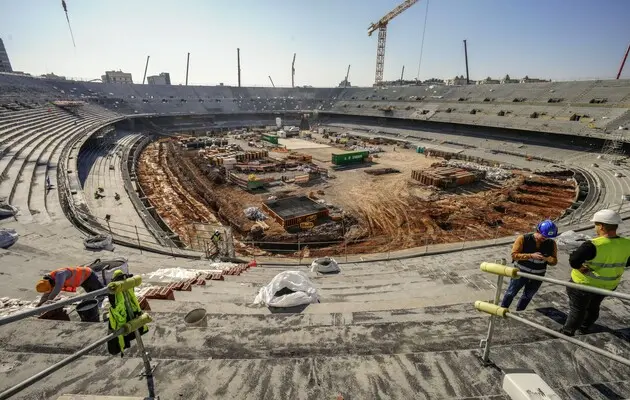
(113, 287)
(126, 329)
(514, 272)
(132, 326)
(497, 311)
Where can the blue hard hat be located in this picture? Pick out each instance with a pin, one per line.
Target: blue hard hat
(548, 229)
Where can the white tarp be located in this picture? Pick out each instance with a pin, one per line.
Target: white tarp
(571, 240)
(325, 265)
(303, 291)
(8, 237)
(181, 274)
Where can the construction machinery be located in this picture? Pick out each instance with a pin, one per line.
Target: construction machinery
(381, 25)
(271, 80)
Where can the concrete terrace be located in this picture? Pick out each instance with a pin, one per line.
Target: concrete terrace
(398, 329)
(385, 329)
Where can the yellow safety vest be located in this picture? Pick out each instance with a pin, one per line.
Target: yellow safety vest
(118, 316)
(606, 269)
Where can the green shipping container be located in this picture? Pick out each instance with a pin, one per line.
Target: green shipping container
(349, 158)
(255, 184)
(273, 139)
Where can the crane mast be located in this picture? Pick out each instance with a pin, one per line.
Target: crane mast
(381, 26)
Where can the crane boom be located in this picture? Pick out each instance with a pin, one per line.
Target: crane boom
(381, 25)
(391, 15)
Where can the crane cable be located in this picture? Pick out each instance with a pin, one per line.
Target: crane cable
(65, 8)
(422, 42)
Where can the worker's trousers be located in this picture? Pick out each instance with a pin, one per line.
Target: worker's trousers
(92, 284)
(530, 288)
(583, 310)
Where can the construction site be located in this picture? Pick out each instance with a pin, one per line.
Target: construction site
(327, 190)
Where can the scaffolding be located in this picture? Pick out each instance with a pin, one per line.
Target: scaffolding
(613, 147)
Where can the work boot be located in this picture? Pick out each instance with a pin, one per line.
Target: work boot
(584, 330)
(566, 333)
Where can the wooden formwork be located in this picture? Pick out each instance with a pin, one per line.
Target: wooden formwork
(444, 177)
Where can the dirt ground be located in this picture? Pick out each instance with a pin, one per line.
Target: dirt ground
(169, 195)
(353, 189)
(386, 212)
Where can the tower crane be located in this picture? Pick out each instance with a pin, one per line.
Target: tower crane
(381, 25)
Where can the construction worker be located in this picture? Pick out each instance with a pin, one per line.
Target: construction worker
(598, 263)
(216, 239)
(531, 253)
(66, 279)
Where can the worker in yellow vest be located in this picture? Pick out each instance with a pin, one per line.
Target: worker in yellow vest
(598, 263)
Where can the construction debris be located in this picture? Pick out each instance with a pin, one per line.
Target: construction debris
(381, 171)
(492, 173)
(255, 214)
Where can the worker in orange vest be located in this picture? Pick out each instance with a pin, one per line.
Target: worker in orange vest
(68, 280)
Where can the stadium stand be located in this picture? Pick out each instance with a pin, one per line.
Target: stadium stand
(402, 328)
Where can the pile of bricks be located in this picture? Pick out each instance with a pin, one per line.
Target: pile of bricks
(167, 292)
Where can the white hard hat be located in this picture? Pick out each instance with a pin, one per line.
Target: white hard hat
(607, 217)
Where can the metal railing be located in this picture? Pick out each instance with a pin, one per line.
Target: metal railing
(497, 311)
(132, 326)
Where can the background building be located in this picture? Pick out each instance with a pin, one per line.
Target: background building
(163, 79)
(53, 76)
(459, 81)
(116, 77)
(5, 64)
(488, 81)
(527, 79)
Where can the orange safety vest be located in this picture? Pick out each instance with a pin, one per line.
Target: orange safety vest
(79, 275)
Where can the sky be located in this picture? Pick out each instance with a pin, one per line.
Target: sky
(551, 39)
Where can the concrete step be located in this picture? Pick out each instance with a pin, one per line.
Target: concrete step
(293, 336)
(597, 391)
(242, 304)
(94, 397)
(453, 374)
(295, 320)
(421, 289)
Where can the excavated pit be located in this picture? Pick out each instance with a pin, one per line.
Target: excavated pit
(404, 214)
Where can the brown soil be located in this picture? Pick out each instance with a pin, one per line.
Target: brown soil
(388, 212)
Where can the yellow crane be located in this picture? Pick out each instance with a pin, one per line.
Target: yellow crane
(381, 25)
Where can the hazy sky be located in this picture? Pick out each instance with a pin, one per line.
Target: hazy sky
(557, 39)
